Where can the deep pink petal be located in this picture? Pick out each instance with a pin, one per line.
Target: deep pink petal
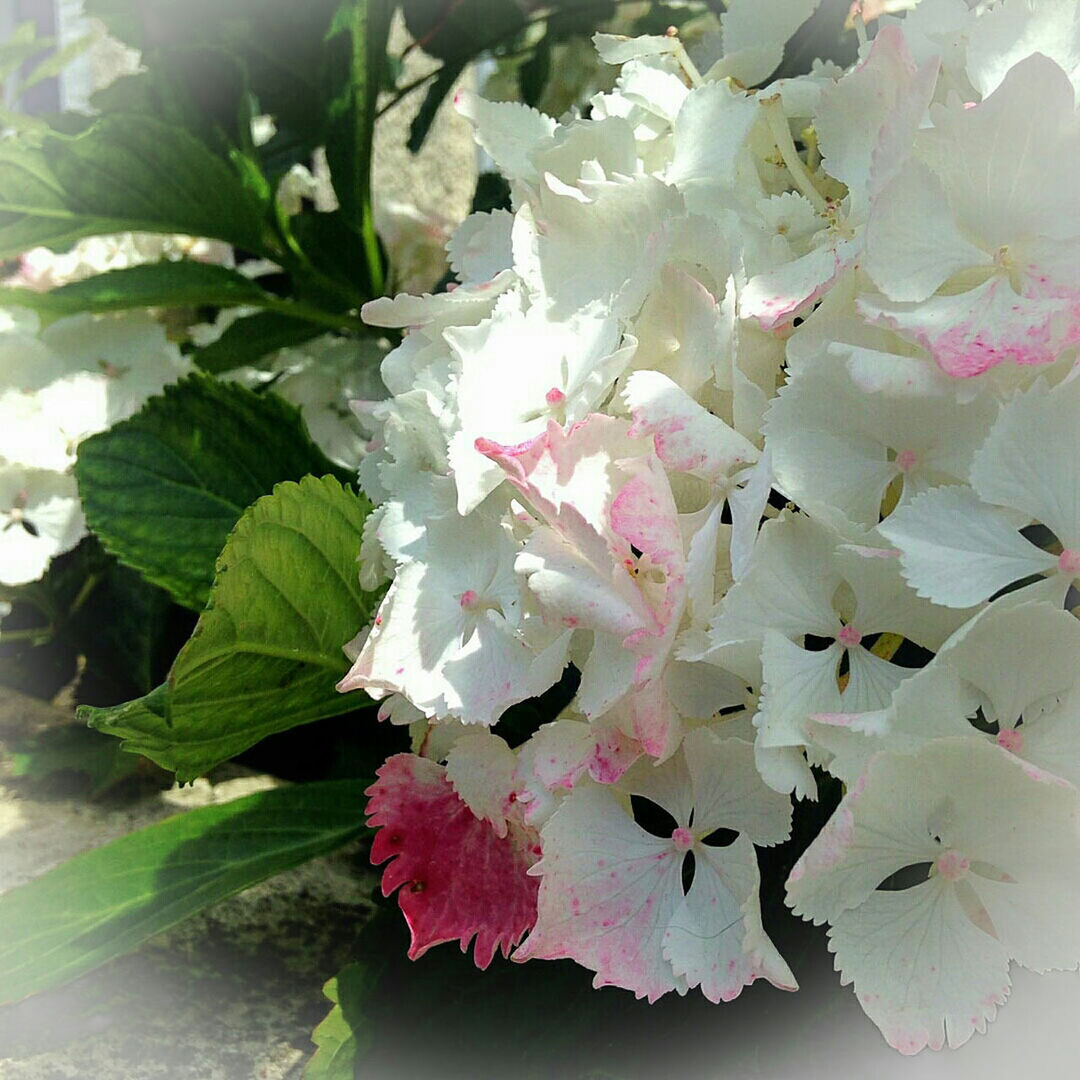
(459, 879)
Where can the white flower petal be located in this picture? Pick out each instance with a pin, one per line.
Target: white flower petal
(958, 551)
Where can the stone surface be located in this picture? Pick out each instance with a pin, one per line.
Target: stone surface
(229, 994)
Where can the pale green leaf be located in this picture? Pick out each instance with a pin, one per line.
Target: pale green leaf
(267, 651)
(107, 901)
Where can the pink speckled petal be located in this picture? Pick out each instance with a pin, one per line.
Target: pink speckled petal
(707, 939)
(608, 891)
(970, 332)
(687, 437)
(777, 296)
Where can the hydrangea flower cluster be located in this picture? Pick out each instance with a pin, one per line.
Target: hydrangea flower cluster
(59, 385)
(759, 408)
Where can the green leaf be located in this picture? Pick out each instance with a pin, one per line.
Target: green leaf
(365, 24)
(129, 632)
(54, 63)
(170, 283)
(72, 748)
(105, 902)
(458, 30)
(162, 489)
(425, 115)
(280, 46)
(126, 173)
(533, 74)
(335, 249)
(344, 1036)
(248, 340)
(21, 45)
(267, 651)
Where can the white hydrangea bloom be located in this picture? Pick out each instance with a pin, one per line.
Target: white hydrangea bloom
(858, 287)
(611, 894)
(40, 517)
(1012, 669)
(962, 545)
(58, 386)
(998, 844)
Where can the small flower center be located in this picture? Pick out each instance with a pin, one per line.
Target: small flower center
(1010, 739)
(849, 636)
(952, 866)
(1069, 561)
(554, 396)
(683, 839)
(469, 600)
(906, 460)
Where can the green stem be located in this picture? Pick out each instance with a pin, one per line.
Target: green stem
(39, 635)
(83, 594)
(297, 309)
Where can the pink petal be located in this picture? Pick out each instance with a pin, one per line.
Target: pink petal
(460, 878)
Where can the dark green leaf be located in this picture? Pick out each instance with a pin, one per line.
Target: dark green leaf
(73, 749)
(105, 902)
(162, 489)
(336, 249)
(433, 98)
(38, 655)
(533, 74)
(168, 283)
(344, 1036)
(456, 31)
(129, 632)
(126, 172)
(249, 339)
(355, 78)
(33, 205)
(492, 193)
(267, 651)
(280, 45)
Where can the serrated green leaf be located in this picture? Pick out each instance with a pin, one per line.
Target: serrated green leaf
(162, 489)
(126, 173)
(170, 283)
(267, 651)
(105, 902)
(344, 1035)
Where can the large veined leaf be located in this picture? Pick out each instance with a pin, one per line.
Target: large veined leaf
(267, 651)
(170, 283)
(107, 901)
(126, 172)
(162, 489)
